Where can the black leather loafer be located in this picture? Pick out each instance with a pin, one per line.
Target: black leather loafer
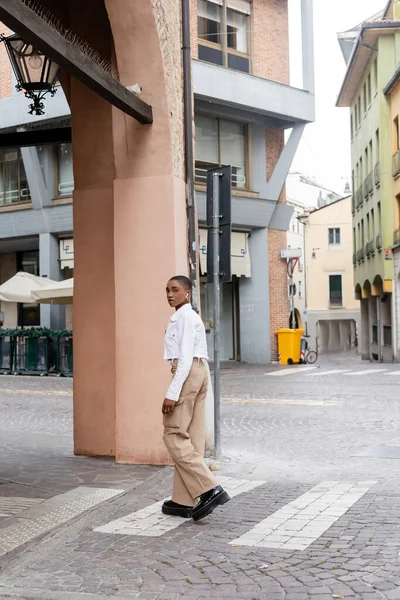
(176, 510)
(209, 501)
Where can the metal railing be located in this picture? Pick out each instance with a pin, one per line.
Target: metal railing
(14, 196)
(396, 237)
(365, 188)
(66, 188)
(379, 242)
(370, 182)
(353, 204)
(369, 249)
(396, 164)
(238, 181)
(355, 258)
(377, 173)
(359, 197)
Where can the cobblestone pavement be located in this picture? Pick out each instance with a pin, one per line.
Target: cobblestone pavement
(321, 445)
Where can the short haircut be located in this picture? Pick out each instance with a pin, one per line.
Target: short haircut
(183, 280)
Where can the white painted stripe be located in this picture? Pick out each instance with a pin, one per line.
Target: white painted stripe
(290, 371)
(332, 372)
(51, 513)
(298, 524)
(393, 373)
(151, 522)
(366, 372)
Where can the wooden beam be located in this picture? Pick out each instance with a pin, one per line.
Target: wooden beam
(21, 19)
(35, 137)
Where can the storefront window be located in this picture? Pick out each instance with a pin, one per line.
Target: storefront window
(28, 314)
(13, 183)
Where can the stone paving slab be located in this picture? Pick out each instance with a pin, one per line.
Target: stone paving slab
(291, 436)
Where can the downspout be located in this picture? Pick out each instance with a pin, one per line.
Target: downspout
(189, 158)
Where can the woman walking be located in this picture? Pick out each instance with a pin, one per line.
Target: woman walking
(184, 409)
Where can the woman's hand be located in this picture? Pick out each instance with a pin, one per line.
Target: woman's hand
(168, 406)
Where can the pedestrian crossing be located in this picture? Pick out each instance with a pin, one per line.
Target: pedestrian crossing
(151, 522)
(294, 526)
(316, 372)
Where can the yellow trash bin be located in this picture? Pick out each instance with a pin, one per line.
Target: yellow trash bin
(289, 345)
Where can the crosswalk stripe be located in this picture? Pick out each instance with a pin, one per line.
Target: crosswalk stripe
(365, 372)
(290, 371)
(301, 522)
(332, 372)
(151, 522)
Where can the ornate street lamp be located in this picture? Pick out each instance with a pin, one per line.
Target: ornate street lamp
(35, 72)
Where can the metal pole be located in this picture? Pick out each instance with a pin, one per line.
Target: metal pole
(217, 316)
(293, 315)
(378, 326)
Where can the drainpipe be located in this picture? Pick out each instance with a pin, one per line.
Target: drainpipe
(189, 158)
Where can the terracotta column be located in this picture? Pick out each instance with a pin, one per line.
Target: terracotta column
(150, 229)
(94, 291)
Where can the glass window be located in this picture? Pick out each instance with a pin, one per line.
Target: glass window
(13, 181)
(65, 183)
(237, 30)
(334, 236)
(387, 335)
(219, 142)
(28, 314)
(209, 21)
(223, 33)
(233, 150)
(335, 290)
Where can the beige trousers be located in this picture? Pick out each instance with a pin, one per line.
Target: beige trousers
(184, 437)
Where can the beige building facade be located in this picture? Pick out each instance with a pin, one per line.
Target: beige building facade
(332, 312)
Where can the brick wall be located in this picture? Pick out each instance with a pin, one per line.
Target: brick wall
(5, 67)
(270, 53)
(277, 273)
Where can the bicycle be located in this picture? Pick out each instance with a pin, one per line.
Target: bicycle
(308, 356)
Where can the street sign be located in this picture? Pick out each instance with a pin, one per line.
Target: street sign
(225, 225)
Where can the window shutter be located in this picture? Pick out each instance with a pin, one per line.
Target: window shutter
(240, 5)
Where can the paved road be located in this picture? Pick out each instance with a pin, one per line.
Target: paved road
(315, 509)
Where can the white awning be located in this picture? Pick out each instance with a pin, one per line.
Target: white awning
(67, 253)
(240, 255)
(20, 287)
(60, 292)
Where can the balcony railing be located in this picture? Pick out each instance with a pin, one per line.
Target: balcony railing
(396, 237)
(379, 242)
(355, 258)
(369, 249)
(360, 255)
(377, 174)
(238, 180)
(370, 182)
(365, 188)
(359, 197)
(396, 163)
(353, 204)
(15, 195)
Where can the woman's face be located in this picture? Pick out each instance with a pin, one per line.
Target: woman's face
(177, 295)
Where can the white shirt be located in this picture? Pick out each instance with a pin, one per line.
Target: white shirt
(185, 339)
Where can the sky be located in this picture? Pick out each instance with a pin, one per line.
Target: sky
(324, 152)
